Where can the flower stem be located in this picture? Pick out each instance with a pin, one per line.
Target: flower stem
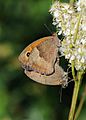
(77, 28)
(53, 1)
(72, 1)
(75, 96)
(80, 104)
(73, 71)
(74, 100)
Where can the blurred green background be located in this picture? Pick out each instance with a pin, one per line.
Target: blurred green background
(22, 22)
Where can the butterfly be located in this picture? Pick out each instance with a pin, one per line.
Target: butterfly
(40, 61)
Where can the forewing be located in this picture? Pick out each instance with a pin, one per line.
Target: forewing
(43, 57)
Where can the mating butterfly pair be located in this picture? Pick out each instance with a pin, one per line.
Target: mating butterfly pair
(40, 61)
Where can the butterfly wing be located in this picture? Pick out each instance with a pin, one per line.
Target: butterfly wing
(43, 57)
(57, 78)
(41, 63)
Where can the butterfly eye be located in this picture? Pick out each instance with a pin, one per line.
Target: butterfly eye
(27, 54)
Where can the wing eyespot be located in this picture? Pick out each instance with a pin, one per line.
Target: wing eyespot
(27, 54)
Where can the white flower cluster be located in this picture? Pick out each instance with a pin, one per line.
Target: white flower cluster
(71, 22)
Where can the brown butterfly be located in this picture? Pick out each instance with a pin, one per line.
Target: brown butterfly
(40, 61)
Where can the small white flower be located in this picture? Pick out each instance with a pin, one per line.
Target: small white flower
(67, 32)
(54, 23)
(60, 32)
(79, 50)
(66, 18)
(78, 57)
(67, 56)
(83, 27)
(70, 11)
(59, 25)
(83, 41)
(72, 57)
(72, 32)
(82, 60)
(78, 9)
(78, 66)
(56, 14)
(66, 6)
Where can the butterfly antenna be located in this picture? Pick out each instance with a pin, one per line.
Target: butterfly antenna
(48, 28)
(70, 81)
(61, 95)
(61, 56)
(68, 69)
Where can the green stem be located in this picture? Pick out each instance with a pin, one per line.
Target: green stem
(73, 71)
(53, 1)
(80, 104)
(74, 100)
(77, 28)
(75, 96)
(72, 1)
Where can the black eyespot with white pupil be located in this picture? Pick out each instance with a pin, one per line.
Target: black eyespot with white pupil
(27, 54)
